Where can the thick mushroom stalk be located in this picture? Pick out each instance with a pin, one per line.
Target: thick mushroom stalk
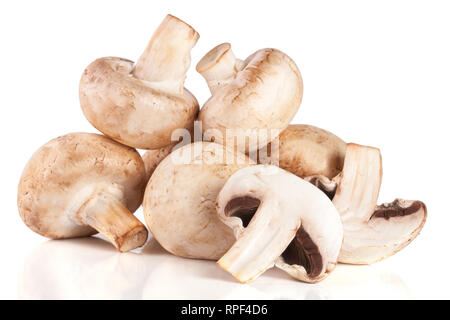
(219, 66)
(371, 232)
(268, 208)
(106, 214)
(167, 57)
(144, 102)
(253, 100)
(80, 184)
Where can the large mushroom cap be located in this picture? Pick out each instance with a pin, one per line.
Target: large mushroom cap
(141, 104)
(63, 177)
(253, 99)
(306, 150)
(278, 218)
(179, 201)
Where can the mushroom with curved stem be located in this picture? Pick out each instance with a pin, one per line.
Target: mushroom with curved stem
(371, 232)
(179, 201)
(278, 219)
(145, 102)
(249, 98)
(80, 184)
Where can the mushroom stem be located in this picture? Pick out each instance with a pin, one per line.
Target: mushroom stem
(167, 58)
(257, 248)
(116, 223)
(219, 66)
(360, 181)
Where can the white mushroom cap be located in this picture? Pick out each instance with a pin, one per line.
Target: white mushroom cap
(249, 98)
(278, 207)
(179, 201)
(371, 232)
(141, 104)
(305, 150)
(80, 184)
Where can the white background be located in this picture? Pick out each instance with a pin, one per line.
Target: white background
(375, 73)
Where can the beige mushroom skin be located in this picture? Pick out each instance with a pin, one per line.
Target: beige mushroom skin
(179, 201)
(249, 98)
(306, 150)
(371, 232)
(152, 158)
(80, 184)
(144, 102)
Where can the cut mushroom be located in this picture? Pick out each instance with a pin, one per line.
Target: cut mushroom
(371, 232)
(305, 150)
(144, 102)
(251, 100)
(179, 201)
(80, 184)
(278, 218)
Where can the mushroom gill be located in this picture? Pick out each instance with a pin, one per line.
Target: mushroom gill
(301, 251)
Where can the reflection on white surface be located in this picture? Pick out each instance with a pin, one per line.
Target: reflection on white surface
(82, 268)
(91, 268)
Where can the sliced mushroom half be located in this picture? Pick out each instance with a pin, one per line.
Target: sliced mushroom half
(371, 232)
(278, 219)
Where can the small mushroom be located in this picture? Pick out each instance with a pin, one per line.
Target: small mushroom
(252, 100)
(305, 150)
(371, 232)
(179, 201)
(141, 104)
(278, 219)
(152, 158)
(80, 184)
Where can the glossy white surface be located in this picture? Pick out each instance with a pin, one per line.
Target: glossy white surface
(92, 269)
(374, 73)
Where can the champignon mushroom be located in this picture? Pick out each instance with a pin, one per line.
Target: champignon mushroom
(152, 158)
(179, 201)
(371, 232)
(252, 100)
(80, 184)
(144, 102)
(305, 150)
(274, 213)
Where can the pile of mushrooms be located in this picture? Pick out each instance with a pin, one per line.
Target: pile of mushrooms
(213, 195)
